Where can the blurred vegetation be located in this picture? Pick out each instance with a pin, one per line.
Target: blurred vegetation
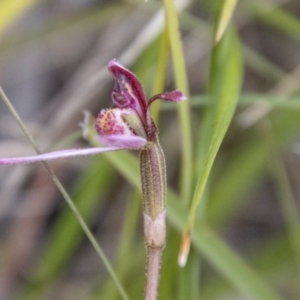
(231, 149)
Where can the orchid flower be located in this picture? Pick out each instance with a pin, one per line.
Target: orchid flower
(122, 127)
(129, 125)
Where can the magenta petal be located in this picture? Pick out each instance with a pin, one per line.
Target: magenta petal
(174, 96)
(55, 155)
(123, 141)
(128, 91)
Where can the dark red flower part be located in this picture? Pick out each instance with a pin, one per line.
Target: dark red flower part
(128, 91)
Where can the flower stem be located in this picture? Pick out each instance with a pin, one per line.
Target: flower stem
(153, 266)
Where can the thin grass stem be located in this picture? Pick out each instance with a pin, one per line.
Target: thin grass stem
(66, 196)
(183, 108)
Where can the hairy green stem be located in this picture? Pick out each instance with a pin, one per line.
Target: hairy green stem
(153, 175)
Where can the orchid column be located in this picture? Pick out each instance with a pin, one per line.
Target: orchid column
(128, 125)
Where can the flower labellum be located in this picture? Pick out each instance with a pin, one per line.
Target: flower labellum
(112, 126)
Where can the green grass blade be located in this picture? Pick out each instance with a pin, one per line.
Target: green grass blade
(224, 18)
(183, 107)
(224, 87)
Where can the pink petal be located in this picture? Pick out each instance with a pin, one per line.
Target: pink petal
(128, 91)
(55, 155)
(174, 96)
(123, 141)
(111, 122)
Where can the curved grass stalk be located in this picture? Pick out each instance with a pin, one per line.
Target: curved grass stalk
(67, 197)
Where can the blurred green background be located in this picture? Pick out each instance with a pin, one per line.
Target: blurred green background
(53, 65)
